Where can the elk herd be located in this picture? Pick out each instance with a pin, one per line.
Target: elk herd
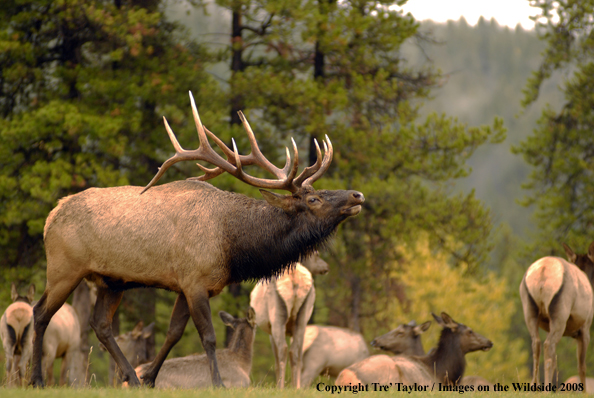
(191, 238)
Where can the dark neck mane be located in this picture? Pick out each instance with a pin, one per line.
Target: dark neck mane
(265, 241)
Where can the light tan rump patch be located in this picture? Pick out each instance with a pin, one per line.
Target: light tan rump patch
(544, 278)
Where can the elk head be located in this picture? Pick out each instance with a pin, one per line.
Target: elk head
(585, 262)
(323, 204)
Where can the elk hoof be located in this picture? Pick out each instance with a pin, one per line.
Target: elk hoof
(148, 381)
(36, 382)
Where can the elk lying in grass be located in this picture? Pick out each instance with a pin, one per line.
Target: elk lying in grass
(283, 308)
(134, 346)
(62, 341)
(185, 236)
(445, 364)
(328, 350)
(574, 382)
(404, 340)
(557, 297)
(235, 361)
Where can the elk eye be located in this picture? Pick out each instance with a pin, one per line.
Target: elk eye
(313, 200)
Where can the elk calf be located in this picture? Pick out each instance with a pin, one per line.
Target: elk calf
(62, 340)
(283, 307)
(134, 346)
(444, 364)
(328, 350)
(235, 362)
(404, 340)
(557, 297)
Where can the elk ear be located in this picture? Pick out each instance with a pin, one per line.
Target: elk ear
(227, 319)
(274, 199)
(438, 320)
(251, 317)
(422, 328)
(14, 294)
(31, 293)
(571, 256)
(148, 331)
(591, 252)
(449, 322)
(137, 331)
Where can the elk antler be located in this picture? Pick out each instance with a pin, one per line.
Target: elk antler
(234, 163)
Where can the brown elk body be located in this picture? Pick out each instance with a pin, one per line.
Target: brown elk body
(134, 346)
(235, 361)
(328, 350)
(557, 297)
(404, 340)
(445, 364)
(185, 236)
(283, 307)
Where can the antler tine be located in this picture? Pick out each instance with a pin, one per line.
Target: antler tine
(309, 171)
(169, 162)
(234, 163)
(328, 153)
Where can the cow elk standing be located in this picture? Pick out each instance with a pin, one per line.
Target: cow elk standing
(134, 346)
(283, 308)
(328, 350)
(62, 341)
(404, 340)
(16, 334)
(235, 361)
(185, 236)
(445, 364)
(557, 297)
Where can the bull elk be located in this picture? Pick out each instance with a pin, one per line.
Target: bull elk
(185, 236)
(557, 297)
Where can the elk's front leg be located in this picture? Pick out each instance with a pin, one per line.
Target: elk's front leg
(105, 307)
(200, 312)
(177, 325)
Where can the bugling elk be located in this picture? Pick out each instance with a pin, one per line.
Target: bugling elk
(185, 236)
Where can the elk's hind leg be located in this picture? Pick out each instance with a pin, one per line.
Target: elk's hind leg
(531, 315)
(105, 307)
(200, 312)
(583, 339)
(56, 292)
(177, 324)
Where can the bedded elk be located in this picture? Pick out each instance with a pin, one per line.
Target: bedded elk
(134, 346)
(235, 361)
(62, 340)
(404, 340)
(572, 384)
(557, 297)
(185, 236)
(328, 350)
(283, 307)
(445, 364)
